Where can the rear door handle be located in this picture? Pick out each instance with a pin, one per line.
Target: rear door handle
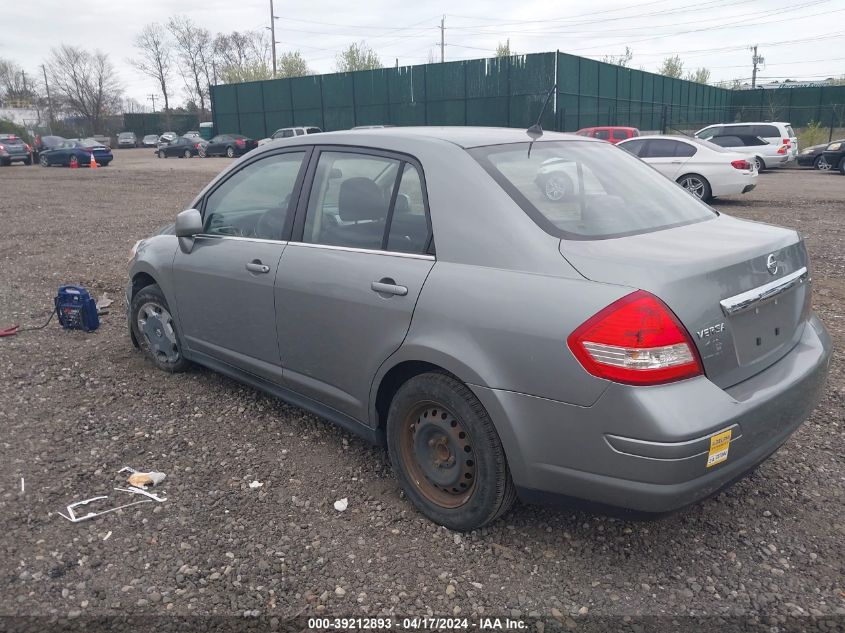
(388, 287)
(257, 267)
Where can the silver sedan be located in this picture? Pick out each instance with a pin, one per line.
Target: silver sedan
(619, 341)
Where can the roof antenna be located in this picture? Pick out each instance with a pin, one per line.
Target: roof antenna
(535, 131)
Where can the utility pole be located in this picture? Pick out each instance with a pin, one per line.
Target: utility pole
(273, 19)
(443, 39)
(49, 101)
(755, 59)
(153, 99)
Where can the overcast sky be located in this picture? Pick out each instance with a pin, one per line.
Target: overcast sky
(800, 39)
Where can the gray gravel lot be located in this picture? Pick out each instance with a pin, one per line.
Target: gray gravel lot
(77, 407)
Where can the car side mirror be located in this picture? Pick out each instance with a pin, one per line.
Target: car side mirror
(188, 224)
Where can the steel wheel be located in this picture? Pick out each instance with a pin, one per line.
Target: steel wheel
(156, 327)
(694, 185)
(822, 164)
(438, 452)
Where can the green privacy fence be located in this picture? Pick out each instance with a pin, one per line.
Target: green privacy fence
(823, 104)
(143, 123)
(506, 92)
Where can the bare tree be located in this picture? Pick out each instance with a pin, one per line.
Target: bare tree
(84, 83)
(623, 59)
(243, 56)
(504, 50)
(155, 59)
(194, 51)
(14, 86)
(699, 75)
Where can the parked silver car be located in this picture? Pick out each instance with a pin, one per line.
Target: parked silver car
(623, 343)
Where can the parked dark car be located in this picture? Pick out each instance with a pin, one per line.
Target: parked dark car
(814, 156)
(181, 147)
(230, 145)
(13, 149)
(834, 155)
(150, 140)
(43, 143)
(64, 154)
(127, 139)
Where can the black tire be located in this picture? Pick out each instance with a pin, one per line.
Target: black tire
(842, 166)
(187, 153)
(697, 185)
(161, 154)
(427, 416)
(230, 152)
(27, 161)
(760, 164)
(45, 162)
(159, 340)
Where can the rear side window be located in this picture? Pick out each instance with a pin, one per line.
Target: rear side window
(766, 131)
(602, 134)
(255, 201)
(727, 141)
(620, 134)
(682, 150)
(634, 147)
(582, 190)
(753, 141)
(366, 201)
(711, 132)
(660, 148)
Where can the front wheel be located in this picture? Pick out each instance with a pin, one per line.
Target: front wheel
(821, 163)
(230, 152)
(446, 453)
(697, 186)
(842, 166)
(557, 186)
(187, 153)
(155, 330)
(45, 162)
(161, 154)
(201, 152)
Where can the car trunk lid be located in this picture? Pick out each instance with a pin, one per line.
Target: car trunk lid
(717, 277)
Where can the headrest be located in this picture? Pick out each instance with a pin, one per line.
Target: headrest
(360, 199)
(403, 204)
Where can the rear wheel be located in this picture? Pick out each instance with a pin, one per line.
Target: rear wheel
(187, 153)
(155, 330)
(446, 453)
(201, 152)
(161, 154)
(557, 186)
(45, 162)
(697, 186)
(230, 152)
(759, 164)
(821, 163)
(842, 166)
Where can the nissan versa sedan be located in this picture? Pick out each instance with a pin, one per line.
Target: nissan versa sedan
(623, 343)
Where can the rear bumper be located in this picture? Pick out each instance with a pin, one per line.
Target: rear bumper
(734, 182)
(645, 448)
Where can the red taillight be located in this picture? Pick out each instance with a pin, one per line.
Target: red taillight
(240, 142)
(782, 149)
(636, 340)
(787, 142)
(741, 164)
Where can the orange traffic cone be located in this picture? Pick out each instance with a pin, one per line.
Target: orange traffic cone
(93, 161)
(74, 164)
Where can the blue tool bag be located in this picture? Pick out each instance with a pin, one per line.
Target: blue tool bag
(76, 309)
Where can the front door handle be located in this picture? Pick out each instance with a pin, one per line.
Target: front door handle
(387, 286)
(256, 266)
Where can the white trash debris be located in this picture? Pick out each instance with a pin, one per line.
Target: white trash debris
(256, 484)
(341, 504)
(142, 480)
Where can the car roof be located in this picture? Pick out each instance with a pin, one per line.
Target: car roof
(465, 137)
(671, 137)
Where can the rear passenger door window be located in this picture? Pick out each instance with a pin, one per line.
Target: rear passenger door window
(620, 135)
(366, 201)
(602, 134)
(634, 147)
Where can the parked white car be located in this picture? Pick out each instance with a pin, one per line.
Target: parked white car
(766, 155)
(289, 132)
(702, 168)
(775, 132)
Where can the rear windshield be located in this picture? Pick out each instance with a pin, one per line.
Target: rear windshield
(586, 190)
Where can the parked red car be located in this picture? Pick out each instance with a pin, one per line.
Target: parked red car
(611, 133)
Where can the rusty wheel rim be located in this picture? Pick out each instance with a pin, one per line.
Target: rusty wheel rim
(438, 453)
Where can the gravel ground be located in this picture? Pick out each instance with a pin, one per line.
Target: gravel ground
(77, 407)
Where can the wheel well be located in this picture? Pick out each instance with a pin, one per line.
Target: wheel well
(395, 378)
(139, 281)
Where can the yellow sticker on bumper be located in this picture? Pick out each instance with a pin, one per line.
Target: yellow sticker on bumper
(719, 445)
